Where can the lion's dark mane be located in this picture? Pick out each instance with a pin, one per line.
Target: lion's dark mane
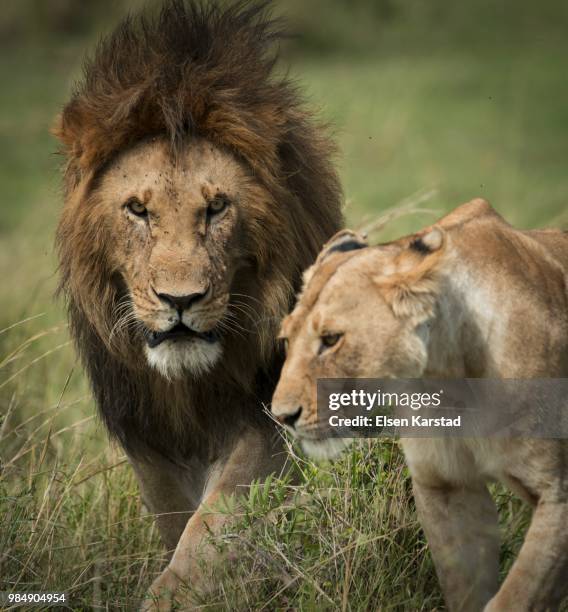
(194, 70)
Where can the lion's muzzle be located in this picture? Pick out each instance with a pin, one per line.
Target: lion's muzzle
(180, 332)
(188, 335)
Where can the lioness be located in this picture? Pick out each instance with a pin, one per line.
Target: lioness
(197, 189)
(469, 297)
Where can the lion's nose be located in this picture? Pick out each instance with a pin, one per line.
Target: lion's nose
(181, 302)
(291, 418)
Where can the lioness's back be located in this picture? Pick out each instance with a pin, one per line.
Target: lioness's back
(487, 241)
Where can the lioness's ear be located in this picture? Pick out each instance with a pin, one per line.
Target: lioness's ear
(433, 240)
(344, 241)
(412, 287)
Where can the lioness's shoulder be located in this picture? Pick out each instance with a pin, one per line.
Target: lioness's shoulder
(483, 236)
(474, 210)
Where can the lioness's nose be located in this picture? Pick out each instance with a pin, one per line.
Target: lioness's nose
(290, 418)
(181, 302)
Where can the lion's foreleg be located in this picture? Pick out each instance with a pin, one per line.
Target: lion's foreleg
(252, 458)
(538, 579)
(462, 531)
(164, 496)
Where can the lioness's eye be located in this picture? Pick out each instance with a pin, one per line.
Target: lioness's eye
(329, 340)
(217, 205)
(136, 207)
(285, 343)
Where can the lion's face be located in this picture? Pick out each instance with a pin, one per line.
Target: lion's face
(361, 315)
(175, 228)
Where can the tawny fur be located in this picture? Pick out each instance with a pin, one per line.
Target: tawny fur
(196, 71)
(177, 111)
(468, 297)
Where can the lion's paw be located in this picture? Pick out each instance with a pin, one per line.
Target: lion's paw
(161, 595)
(496, 605)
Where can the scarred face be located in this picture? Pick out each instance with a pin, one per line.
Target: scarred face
(177, 242)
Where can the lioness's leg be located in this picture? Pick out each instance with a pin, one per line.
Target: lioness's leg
(253, 457)
(462, 531)
(538, 579)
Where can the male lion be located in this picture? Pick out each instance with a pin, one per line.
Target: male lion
(197, 189)
(469, 297)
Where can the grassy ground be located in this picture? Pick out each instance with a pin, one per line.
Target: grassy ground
(467, 105)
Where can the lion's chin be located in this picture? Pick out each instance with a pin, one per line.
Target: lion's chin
(325, 449)
(174, 359)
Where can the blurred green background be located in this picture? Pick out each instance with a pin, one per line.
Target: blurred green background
(469, 98)
(464, 98)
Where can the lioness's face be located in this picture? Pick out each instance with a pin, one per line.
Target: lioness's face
(175, 227)
(346, 327)
(349, 331)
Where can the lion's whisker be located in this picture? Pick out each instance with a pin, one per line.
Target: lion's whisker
(252, 316)
(230, 322)
(248, 297)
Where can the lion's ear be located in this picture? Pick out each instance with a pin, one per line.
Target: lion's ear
(412, 285)
(67, 129)
(65, 126)
(57, 129)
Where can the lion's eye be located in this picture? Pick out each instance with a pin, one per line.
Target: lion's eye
(217, 205)
(136, 207)
(285, 343)
(329, 340)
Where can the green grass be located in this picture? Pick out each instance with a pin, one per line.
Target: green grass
(461, 105)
